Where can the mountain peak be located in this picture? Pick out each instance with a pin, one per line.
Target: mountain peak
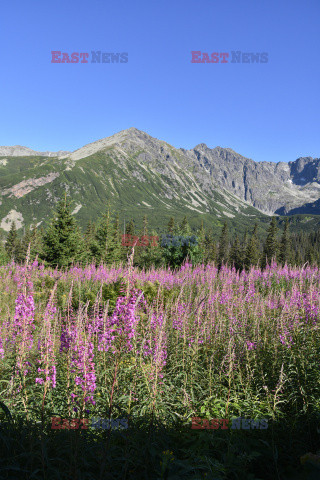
(201, 146)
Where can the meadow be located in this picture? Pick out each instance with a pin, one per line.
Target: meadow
(159, 347)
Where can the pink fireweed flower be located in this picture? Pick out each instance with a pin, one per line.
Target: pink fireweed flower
(23, 329)
(82, 364)
(155, 347)
(47, 360)
(122, 324)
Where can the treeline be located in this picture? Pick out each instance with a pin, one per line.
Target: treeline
(63, 244)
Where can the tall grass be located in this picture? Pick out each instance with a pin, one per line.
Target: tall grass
(158, 347)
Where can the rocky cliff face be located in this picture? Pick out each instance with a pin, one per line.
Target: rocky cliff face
(136, 172)
(269, 187)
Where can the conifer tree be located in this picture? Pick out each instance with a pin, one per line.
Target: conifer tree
(90, 241)
(130, 227)
(12, 242)
(285, 245)
(140, 250)
(3, 254)
(271, 246)
(236, 254)
(117, 240)
(310, 256)
(106, 239)
(298, 257)
(185, 227)
(63, 242)
(145, 225)
(37, 245)
(24, 245)
(171, 225)
(223, 255)
(244, 246)
(202, 241)
(252, 255)
(90, 231)
(210, 248)
(152, 254)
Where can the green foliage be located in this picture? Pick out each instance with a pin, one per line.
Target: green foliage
(252, 254)
(12, 242)
(216, 378)
(63, 244)
(271, 247)
(223, 255)
(286, 245)
(176, 249)
(87, 293)
(104, 243)
(236, 257)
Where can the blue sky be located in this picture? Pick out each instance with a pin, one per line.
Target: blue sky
(268, 112)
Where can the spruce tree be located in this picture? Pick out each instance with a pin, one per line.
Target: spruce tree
(90, 231)
(117, 240)
(106, 239)
(37, 244)
(235, 254)
(63, 242)
(171, 226)
(271, 246)
(3, 254)
(223, 255)
(202, 241)
(130, 227)
(310, 255)
(285, 245)
(140, 250)
(244, 246)
(24, 246)
(12, 242)
(252, 255)
(185, 227)
(298, 257)
(145, 225)
(210, 248)
(91, 244)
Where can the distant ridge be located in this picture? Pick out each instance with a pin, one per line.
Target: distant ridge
(19, 151)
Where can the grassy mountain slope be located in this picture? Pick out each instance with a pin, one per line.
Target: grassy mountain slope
(133, 172)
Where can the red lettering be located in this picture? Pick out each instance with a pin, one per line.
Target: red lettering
(56, 425)
(65, 424)
(215, 57)
(224, 55)
(54, 58)
(65, 58)
(194, 57)
(85, 423)
(126, 240)
(154, 241)
(205, 58)
(224, 426)
(195, 425)
(215, 422)
(144, 241)
(135, 241)
(74, 423)
(75, 57)
(206, 424)
(84, 56)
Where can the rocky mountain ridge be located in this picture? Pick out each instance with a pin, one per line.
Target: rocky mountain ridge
(140, 175)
